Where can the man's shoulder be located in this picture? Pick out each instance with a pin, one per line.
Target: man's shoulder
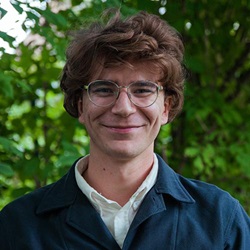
(53, 193)
(209, 196)
(26, 202)
(204, 194)
(198, 187)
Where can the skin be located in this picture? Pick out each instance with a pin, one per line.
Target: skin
(122, 136)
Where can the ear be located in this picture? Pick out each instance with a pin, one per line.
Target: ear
(80, 111)
(166, 109)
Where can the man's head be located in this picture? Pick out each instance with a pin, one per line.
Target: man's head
(139, 38)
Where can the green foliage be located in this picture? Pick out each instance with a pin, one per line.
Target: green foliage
(210, 140)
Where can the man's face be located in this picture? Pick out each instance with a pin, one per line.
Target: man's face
(123, 130)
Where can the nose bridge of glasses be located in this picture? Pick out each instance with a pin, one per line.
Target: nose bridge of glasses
(123, 87)
(127, 93)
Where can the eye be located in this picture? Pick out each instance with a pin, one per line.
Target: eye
(142, 88)
(102, 89)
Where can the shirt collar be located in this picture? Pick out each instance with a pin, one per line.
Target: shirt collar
(63, 192)
(98, 200)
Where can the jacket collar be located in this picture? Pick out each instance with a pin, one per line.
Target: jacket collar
(169, 182)
(60, 194)
(63, 193)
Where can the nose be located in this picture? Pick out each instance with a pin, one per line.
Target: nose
(123, 106)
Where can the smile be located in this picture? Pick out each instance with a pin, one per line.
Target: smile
(122, 129)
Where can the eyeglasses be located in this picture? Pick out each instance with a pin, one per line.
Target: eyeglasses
(141, 93)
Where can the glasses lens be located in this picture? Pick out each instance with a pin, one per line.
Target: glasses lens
(102, 93)
(143, 93)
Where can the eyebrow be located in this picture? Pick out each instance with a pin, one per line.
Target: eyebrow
(114, 81)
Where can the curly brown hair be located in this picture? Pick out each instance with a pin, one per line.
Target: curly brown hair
(142, 37)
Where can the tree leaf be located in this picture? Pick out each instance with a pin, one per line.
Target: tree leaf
(2, 13)
(7, 38)
(191, 151)
(6, 86)
(6, 170)
(18, 8)
(53, 18)
(8, 146)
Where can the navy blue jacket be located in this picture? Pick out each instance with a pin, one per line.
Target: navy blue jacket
(177, 213)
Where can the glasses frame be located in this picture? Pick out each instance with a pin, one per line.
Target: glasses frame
(158, 89)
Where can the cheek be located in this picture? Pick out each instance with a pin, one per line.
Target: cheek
(90, 113)
(154, 116)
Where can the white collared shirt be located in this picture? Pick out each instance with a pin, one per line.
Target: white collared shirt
(117, 218)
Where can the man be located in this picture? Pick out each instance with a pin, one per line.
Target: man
(123, 81)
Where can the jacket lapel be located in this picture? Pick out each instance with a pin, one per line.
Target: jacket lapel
(167, 185)
(84, 218)
(65, 195)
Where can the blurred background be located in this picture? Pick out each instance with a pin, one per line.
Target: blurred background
(209, 140)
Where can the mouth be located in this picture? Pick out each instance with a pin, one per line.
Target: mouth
(123, 129)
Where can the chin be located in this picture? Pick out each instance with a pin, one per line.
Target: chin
(125, 154)
(122, 153)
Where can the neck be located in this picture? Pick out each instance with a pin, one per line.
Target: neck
(117, 179)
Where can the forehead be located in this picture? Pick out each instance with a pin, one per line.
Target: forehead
(129, 72)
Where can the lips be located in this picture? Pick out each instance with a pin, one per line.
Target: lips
(123, 128)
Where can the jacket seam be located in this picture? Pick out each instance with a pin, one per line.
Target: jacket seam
(230, 222)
